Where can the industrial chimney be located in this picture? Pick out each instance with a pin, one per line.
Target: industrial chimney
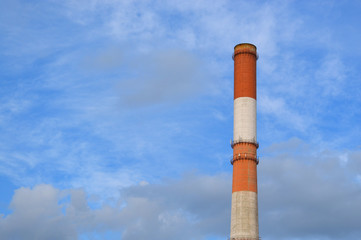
(244, 215)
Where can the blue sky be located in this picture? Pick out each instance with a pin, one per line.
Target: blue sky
(116, 116)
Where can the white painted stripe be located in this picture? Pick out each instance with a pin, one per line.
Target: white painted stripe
(244, 215)
(245, 123)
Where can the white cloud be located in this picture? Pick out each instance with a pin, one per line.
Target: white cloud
(306, 194)
(36, 215)
(156, 211)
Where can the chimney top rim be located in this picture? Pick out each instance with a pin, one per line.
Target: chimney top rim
(244, 45)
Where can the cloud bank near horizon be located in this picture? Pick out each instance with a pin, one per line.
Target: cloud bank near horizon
(302, 194)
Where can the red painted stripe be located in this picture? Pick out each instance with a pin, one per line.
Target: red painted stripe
(244, 167)
(245, 57)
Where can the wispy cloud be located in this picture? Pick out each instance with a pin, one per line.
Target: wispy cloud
(288, 117)
(331, 76)
(165, 77)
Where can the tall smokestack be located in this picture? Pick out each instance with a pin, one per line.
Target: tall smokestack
(244, 215)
